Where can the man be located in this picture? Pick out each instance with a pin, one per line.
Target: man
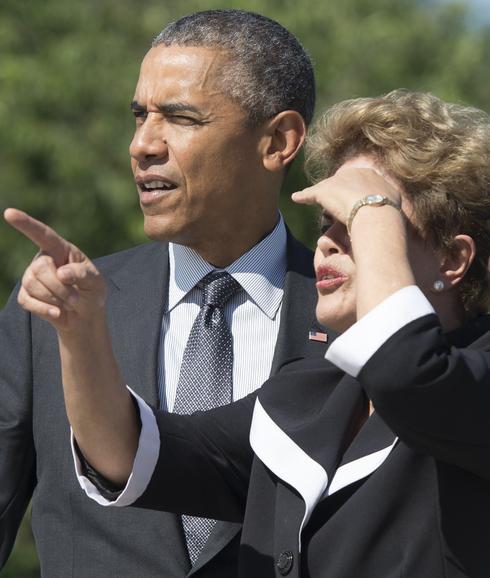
(221, 106)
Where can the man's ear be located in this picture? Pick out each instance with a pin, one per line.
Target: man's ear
(457, 262)
(284, 135)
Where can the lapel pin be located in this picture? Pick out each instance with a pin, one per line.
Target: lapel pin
(318, 336)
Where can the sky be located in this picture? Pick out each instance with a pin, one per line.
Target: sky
(480, 9)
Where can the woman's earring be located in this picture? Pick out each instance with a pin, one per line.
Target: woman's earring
(438, 286)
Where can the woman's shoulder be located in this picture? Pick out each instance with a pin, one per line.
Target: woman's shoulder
(301, 386)
(474, 334)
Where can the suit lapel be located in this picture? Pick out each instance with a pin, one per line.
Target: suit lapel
(303, 421)
(366, 453)
(304, 431)
(221, 535)
(137, 294)
(298, 308)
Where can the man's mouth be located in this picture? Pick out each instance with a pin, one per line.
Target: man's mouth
(154, 186)
(153, 189)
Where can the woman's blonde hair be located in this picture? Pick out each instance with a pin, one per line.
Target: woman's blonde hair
(440, 154)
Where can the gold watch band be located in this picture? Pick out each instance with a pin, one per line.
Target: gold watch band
(370, 201)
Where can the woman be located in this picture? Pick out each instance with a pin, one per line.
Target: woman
(375, 463)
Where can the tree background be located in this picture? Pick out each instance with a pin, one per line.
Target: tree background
(67, 74)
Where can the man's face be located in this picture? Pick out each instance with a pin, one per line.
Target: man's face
(195, 161)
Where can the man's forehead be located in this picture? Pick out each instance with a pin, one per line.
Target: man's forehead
(185, 74)
(190, 65)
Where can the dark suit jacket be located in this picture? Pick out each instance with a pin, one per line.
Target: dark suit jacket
(408, 495)
(75, 537)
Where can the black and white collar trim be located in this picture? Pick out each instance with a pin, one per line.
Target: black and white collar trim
(292, 464)
(287, 460)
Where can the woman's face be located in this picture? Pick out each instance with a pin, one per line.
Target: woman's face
(336, 270)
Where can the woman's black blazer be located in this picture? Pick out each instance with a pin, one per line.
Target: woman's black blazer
(405, 496)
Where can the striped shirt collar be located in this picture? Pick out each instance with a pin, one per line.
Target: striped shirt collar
(260, 271)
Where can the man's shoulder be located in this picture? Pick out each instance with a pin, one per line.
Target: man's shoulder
(299, 256)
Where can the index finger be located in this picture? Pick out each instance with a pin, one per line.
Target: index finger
(40, 234)
(307, 196)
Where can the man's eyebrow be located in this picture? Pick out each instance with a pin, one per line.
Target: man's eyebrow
(173, 107)
(168, 108)
(135, 105)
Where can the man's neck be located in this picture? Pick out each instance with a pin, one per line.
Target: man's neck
(220, 252)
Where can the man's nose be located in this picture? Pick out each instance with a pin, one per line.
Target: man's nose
(149, 142)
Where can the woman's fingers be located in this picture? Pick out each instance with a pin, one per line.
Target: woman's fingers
(338, 194)
(308, 196)
(328, 196)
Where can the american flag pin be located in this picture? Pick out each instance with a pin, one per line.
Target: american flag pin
(318, 336)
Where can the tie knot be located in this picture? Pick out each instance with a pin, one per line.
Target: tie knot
(217, 288)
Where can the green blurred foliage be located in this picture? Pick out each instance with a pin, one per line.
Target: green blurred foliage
(23, 562)
(68, 69)
(67, 74)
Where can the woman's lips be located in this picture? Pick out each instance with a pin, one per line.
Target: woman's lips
(329, 278)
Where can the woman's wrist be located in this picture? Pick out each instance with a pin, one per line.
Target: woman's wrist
(373, 201)
(379, 248)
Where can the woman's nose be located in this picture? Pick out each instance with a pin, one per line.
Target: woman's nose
(334, 240)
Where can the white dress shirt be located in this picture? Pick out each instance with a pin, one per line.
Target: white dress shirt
(253, 313)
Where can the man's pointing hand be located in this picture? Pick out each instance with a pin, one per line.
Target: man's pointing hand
(61, 285)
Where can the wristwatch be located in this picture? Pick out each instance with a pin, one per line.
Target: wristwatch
(372, 201)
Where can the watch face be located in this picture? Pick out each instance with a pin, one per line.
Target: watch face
(374, 199)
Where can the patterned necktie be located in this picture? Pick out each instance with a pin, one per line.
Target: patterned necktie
(205, 379)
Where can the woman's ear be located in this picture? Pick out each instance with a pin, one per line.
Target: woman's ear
(284, 136)
(459, 259)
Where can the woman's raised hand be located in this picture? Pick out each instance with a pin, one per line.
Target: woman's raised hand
(337, 194)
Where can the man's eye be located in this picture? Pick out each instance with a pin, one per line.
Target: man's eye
(140, 116)
(184, 120)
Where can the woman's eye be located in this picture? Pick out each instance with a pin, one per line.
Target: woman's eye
(325, 224)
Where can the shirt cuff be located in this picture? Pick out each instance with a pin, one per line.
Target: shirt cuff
(353, 349)
(144, 461)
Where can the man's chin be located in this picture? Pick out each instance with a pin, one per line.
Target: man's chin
(163, 230)
(155, 235)
(157, 229)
